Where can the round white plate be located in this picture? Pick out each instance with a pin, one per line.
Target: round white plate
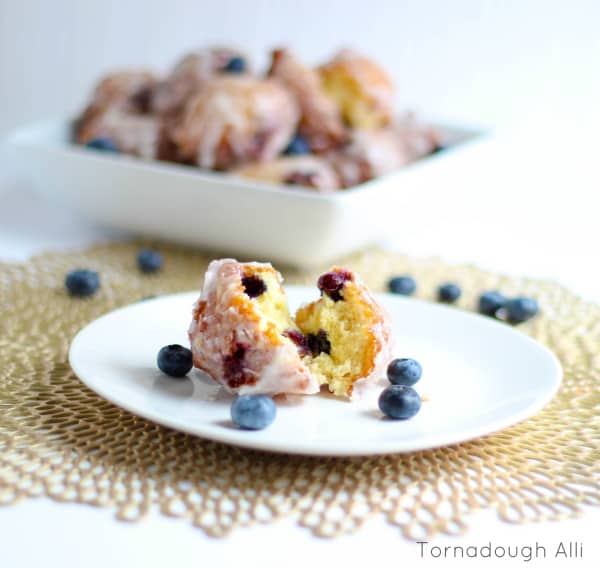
(479, 376)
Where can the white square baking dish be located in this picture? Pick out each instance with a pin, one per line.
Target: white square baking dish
(217, 211)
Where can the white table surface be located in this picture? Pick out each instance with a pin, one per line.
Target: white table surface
(531, 207)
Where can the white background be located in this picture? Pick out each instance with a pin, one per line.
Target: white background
(526, 202)
(496, 62)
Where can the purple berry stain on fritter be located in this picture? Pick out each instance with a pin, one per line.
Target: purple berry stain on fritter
(319, 343)
(254, 286)
(142, 100)
(233, 368)
(299, 340)
(331, 283)
(307, 179)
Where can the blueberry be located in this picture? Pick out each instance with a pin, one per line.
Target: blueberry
(104, 144)
(521, 309)
(399, 402)
(174, 360)
(254, 286)
(149, 260)
(449, 292)
(490, 302)
(297, 146)
(253, 411)
(404, 285)
(235, 65)
(405, 372)
(82, 282)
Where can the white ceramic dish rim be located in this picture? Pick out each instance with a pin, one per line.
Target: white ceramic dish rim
(232, 436)
(28, 135)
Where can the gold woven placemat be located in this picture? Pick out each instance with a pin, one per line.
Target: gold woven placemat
(59, 439)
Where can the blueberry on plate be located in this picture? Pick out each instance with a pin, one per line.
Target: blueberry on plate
(449, 292)
(399, 402)
(103, 144)
(174, 360)
(490, 302)
(405, 372)
(82, 282)
(297, 146)
(253, 411)
(235, 65)
(520, 309)
(149, 260)
(404, 285)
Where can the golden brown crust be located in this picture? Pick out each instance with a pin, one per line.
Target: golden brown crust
(188, 76)
(365, 333)
(237, 338)
(373, 318)
(369, 154)
(320, 123)
(207, 114)
(126, 91)
(235, 120)
(361, 87)
(119, 110)
(135, 134)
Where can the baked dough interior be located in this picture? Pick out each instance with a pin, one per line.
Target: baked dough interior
(336, 335)
(263, 286)
(343, 347)
(355, 109)
(243, 334)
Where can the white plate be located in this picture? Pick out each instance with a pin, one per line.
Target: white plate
(479, 376)
(221, 212)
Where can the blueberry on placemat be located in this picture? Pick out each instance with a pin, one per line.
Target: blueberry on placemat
(405, 372)
(253, 411)
(490, 302)
(449, 292)
(82, 282)
(404, 285)
(235, 65)
(174, 360)
(149, 260)
(297, 146)
(103, 144)
(520, 309)
(399, 402)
